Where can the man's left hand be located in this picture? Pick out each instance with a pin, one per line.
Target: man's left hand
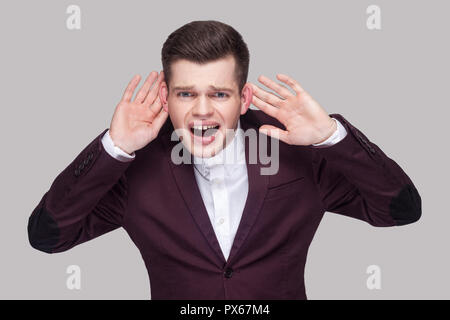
(306, 122)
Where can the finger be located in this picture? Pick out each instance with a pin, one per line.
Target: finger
(155, 107)
(265, 107)
(278, 88)
(129, 91)
(266, 96)
(142, 93)
(154, 91)
(275, 132)
(159, 120)
(291, 82)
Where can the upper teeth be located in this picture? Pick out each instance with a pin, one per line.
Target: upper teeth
(203, 127)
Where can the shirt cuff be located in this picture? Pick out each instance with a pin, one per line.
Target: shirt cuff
(337, 136)
(114, 151)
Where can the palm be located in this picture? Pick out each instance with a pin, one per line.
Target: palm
(136, 123)
(299, 120)
(305, 120)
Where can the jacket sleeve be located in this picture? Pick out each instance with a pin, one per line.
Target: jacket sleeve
(87, 199)
(356, 179)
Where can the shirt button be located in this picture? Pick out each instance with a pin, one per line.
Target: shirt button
(221, 220)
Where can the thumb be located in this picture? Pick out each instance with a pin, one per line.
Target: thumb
(274, 132)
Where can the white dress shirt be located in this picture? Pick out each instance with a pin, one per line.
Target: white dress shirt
(222, 181)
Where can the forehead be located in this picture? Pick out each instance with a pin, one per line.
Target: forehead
(219, 73)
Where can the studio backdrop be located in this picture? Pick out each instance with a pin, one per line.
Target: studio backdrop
(381, 64)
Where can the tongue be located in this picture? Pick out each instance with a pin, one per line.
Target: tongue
(205, 133)
(209, 132)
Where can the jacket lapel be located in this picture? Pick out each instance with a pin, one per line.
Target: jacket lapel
(187, 185)
(257, 189)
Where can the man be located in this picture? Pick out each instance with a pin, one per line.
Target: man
(216, 228)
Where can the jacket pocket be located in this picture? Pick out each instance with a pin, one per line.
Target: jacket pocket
(286, 189)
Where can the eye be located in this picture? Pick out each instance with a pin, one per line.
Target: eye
(183, 94)
(221, 95)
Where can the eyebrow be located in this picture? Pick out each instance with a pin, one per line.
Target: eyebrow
(210, 87)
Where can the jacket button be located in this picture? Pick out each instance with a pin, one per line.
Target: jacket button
(228, 273)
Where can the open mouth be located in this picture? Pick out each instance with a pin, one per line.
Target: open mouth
(204, 131)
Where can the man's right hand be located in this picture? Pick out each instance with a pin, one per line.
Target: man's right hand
(136, 123)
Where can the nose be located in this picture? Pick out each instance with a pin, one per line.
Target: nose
(203, 108)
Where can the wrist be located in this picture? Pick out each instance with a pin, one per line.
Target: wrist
(120, 145)
(328, 130)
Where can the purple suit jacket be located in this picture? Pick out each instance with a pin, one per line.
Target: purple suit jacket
(159, 205)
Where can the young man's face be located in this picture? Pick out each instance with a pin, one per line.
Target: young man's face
(204, 103)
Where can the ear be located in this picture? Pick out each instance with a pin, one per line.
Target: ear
(246, 97)
(163, 94)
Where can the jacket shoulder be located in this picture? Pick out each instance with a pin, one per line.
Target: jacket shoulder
(256, 118)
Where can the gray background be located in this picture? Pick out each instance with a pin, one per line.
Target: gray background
(59, 89)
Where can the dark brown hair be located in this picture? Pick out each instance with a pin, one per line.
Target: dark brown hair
(206, 41)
